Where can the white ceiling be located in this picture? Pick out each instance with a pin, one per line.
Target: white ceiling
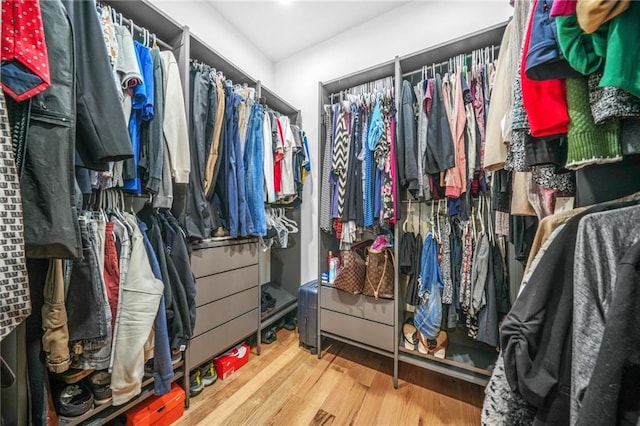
(282, 28)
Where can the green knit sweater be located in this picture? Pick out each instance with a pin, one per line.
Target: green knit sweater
(612, 49)
(588, 143)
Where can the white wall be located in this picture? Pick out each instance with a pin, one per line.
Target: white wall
(209, 25)
(407, 29)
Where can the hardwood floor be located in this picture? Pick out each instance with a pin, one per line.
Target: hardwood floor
(348, 386)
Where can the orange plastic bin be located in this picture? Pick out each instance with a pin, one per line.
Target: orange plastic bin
(158, 410)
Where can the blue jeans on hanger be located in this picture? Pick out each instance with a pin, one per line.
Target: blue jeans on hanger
(254, 171)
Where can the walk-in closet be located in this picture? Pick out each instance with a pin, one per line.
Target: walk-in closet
(308, 212)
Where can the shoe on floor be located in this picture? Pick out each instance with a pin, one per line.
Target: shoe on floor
(99, 382)
(74, 400)
(195, 384)
(208, 374)
(290, 323)
(269, 336)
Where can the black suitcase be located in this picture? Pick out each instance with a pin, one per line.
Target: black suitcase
(308, 315)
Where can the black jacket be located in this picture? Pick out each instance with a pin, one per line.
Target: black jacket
(47, 181)
(102, 130)
(180, 252)
(439, 155)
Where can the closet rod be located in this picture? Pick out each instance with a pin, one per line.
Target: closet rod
(367, 87)
(127, 22)
(468, 56)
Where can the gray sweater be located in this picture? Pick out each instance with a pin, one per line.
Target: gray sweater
(602, 241)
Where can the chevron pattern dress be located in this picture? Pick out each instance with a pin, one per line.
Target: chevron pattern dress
(340, 158)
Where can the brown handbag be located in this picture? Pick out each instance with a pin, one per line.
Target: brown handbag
(380, 274)
(352, 274)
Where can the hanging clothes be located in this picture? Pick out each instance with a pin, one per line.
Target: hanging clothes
(267, 151)
(253, 164)
(340, 159)
(440, 142)
(14, 285)
(428, 315)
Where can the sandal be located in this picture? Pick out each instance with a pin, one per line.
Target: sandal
(269, 336)
(438, 347)
(410, 336)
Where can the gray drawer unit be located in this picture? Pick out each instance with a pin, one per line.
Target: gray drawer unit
(219, 312)
(216, 341)
(227, 298)
(360, 306)
(218, 286)
(211, 261)
(361, 330)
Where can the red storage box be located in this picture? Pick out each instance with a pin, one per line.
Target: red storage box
(158, 410)
(231, 361)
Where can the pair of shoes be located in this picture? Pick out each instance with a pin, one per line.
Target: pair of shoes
(73, 400)
(291, 322)
(269, 336)
(99, 383)
(208, 374)
(195, 384)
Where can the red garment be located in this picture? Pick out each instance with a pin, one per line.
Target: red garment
(277, 160)
(111, 271)
(544, 100)
(25, 63)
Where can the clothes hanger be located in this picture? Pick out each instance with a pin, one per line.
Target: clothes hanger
(406, 220)
(489, 221)
(289, 223)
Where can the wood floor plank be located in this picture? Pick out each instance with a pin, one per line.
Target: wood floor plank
(267, 401)
(368, 413)
(303, 408)
(347, 386)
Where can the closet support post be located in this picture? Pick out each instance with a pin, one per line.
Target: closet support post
(396, 237)
(322, 95)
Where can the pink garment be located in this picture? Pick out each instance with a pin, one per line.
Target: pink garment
(394, 171)
(563, 8)
(381, 242)
(456, 177)
(428, 98)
